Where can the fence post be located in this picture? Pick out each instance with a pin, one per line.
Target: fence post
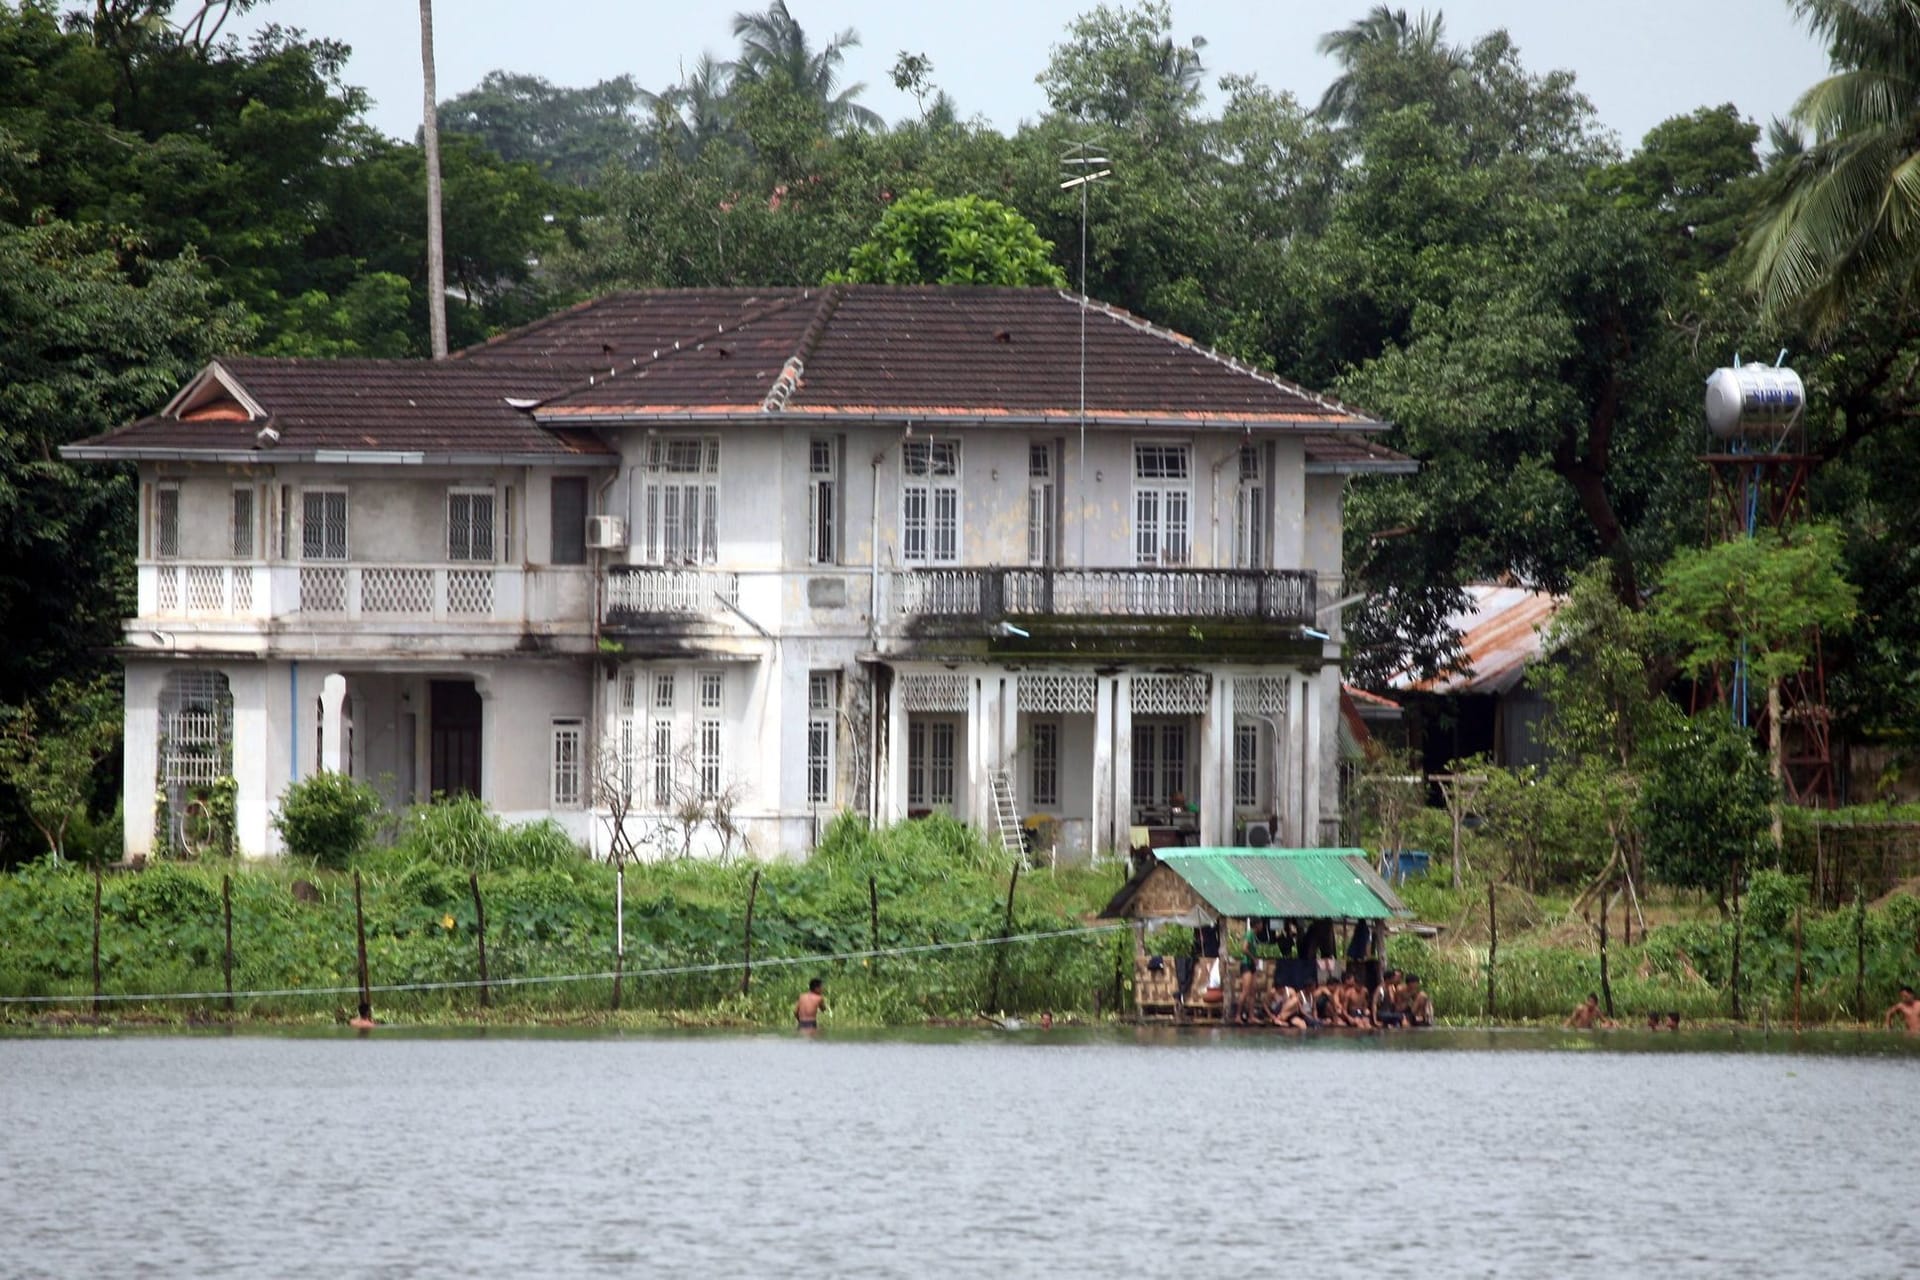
(226, 961)
(1796, 968)
(873, 917)
(1606, 983)
(96, 938)
(1859, 952)
(746, 970)
(1493, 946)
(360, 948)
(1000, 952)
(480, 930)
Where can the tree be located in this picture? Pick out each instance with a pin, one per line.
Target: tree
(1123, 67)
(48, 752)
(1760, 600)
(1704, 803)
(1386, 41)
(570, 135)
(1692, 178)
(927, 239)
(1841, 216)
(773, 44)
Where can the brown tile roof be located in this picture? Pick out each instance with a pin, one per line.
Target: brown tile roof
(931, 351)
(411, 406)
(958, 354)
(1329, 452)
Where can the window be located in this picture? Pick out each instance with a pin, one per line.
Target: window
(629, 730)
(823, 510)
(1159, 762)
(242, 541)
(680, 498)
(661, 747)
(1041, 504)
(470, 525)
(323, 524)
(1045, 791)
(569, 738)
(821, 704)
(1250, 511)
(1246, 765)
(1162, 503)
(929, 763)
(711, 691)
(166, 522)
(930, 502)
(567, 514)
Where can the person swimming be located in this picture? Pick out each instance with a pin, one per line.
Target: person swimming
(806, 1010)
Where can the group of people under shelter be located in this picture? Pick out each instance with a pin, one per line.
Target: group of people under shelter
(1290, 976)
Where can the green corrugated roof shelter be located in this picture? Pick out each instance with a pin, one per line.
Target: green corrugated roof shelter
(1301, 884)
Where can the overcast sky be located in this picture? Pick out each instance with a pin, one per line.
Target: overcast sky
(1640, 61)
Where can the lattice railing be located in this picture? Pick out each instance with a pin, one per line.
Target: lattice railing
(657, 590)
(1260, 695)
(1059, 694)
(1169, 695)
(470, 592)
(323, 589)
(389, 590)
(933, 691)
(201, 590)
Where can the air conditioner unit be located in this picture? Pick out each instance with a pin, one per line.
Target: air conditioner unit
(606, 533)
(1256, 835)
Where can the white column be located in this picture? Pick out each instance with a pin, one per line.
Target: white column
(493, 734)
(893, 805)
(140, 764)
(252, 757)
(1122, 761)
(1323, 745)
(980, 741)
(333, 690)
(1216, 764)
(1009, 723)
(1100, 810)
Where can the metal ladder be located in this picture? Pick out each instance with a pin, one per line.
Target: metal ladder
(1006, 815)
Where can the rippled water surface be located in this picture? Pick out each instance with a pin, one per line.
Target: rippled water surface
(959, 1154)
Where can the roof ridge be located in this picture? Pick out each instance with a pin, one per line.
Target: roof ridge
(1215, 354)
(790, 373)
(603, 299)
(690, 343)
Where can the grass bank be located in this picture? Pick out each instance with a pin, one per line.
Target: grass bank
(550, 913)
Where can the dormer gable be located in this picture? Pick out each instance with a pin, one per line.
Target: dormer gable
(214, 395)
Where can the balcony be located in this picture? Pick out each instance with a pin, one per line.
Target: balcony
(1280, 596)
(251, 592)
(649, 591)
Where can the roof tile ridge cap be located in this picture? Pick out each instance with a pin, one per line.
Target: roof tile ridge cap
(1211, 353)
(531, 326)
(788, 379)
(690, 343)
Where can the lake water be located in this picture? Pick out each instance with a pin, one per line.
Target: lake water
(1155, 1153)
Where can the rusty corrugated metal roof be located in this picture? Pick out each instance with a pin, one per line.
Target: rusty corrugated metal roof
(1500, 633)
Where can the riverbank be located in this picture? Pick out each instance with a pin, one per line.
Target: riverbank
(904, 925)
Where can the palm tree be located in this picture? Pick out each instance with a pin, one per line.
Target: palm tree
(772, 42)
(430, 135)
(694, 112)
(1841, 216)
(1388, 33)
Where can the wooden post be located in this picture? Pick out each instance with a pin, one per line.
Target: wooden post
(480, 935)
(746, 970)
(96, 938)
(1736, 941)
(1493, 946)
(999, 952)
(1859, 952)
(1606, 983)
(1796, 968)
(360, 947)
(226, 961)
(873, 916)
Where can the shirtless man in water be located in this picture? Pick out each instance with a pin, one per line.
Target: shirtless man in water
(1585, 1017)
(1908, 1008)
(806, 1010)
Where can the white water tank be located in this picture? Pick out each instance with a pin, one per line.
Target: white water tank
(1753, 400)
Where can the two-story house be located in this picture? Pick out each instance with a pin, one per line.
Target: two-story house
(767, 553)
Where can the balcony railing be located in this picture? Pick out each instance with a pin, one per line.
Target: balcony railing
(635, 590)
(1274, 595)
(375, 592)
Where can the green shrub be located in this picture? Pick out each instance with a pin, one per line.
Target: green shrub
(327, 818)
(463, 832)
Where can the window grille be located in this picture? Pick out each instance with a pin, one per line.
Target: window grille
(680, 501)
(1041, 505)
(166, 522)
(1060, 694)
(1045, 791)
(1180, 695)
(934, 691)
(469, 526)
(1246, 765)
(711, 690)
(569, 738)
(1159, 763)
(323, 524)
(823, 512)
(1162, 503)
(1261, 695)
(930, 502)
(242, 524)
(930, 763)
(821, 702)
(709, 759)
(196, 729)
(1250, 512)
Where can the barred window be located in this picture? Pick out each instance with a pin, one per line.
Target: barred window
(930, 502)
(680, 500)
(930, 762)
(821, 702)
(470, 525)
(1246, 765)
(823, 511)
(1045, 789)
(166, 522)
(1162, 503)
(565, 782)
(242, 524)
(323, 524)
(709, 759)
